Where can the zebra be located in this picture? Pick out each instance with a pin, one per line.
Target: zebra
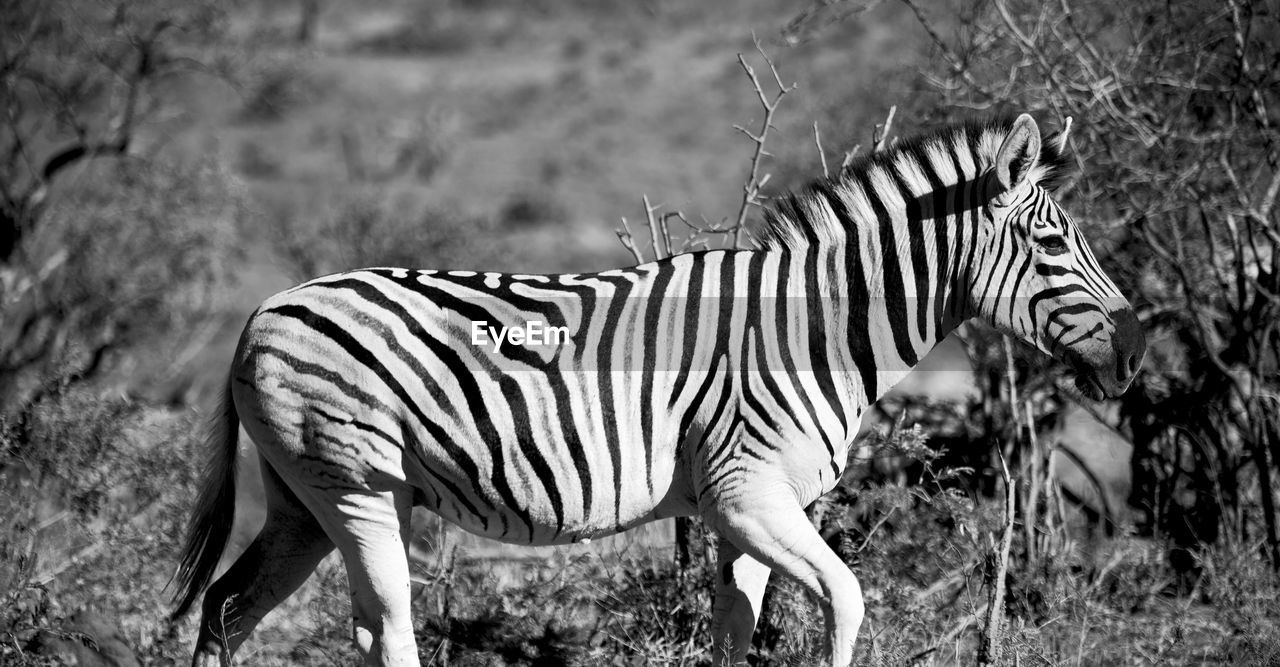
(726, 384)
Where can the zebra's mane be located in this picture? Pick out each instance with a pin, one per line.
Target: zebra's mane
(790, 222)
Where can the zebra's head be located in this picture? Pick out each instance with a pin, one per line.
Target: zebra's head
(1037, 278)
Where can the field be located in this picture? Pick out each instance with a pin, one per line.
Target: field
(221, 152)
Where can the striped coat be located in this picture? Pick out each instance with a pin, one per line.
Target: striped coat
(544, 409)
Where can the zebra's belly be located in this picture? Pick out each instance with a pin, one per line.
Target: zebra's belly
(544, 495)
(517, 509)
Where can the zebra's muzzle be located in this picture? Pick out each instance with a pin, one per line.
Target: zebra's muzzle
(1104, 368)
(1129, 345)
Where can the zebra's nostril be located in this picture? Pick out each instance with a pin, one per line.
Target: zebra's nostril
(1133, 363)
(1130, 343)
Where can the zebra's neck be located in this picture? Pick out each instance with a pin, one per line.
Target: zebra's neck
(891, 249)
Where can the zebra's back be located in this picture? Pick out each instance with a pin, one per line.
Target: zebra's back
(534, 409)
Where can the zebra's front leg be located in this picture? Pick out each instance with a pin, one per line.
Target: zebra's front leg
(777, 533)
(740, 584)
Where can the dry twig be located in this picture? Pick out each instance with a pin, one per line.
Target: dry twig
(629, 241)
(754, 183)
(822, 157)
(881, 135)
(990, 643)
(879, 138)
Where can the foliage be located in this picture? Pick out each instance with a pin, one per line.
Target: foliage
(274, 88)
(117, 463)
(88, 269)
(1177, 139)
(367, 231)
(94, 263)
(26, 609)
(132, 256)
(76, 82)
(379, 147)
(531, 207)
(433, 30)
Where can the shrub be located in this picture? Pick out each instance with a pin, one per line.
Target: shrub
(276, 88)
(531, 207)
(134, 255)
(367, 231)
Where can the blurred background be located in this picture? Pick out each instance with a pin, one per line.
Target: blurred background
(164, 166)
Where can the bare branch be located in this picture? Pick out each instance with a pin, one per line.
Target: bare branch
(751, 188)
(628, 241)
(1269, 198)
(850, 155)
(881, 134)
(821, 14)
(990, 646)
(655, 231)
(958, 66)
(79, 151)
(822, 157)
(879, 139)
(870, 533)
(1239, 31)
(706, 228)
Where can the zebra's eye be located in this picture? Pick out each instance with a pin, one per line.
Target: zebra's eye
(1053, 245)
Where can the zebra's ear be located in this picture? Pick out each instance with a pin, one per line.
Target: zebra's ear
(1018, 154)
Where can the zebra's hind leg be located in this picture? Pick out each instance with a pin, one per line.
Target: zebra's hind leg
(740, 583)
(282, 556)
(371, 530)
(779, 535)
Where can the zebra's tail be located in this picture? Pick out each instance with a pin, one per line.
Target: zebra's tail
(211, 520)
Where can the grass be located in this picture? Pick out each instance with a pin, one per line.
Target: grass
(617, 601)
